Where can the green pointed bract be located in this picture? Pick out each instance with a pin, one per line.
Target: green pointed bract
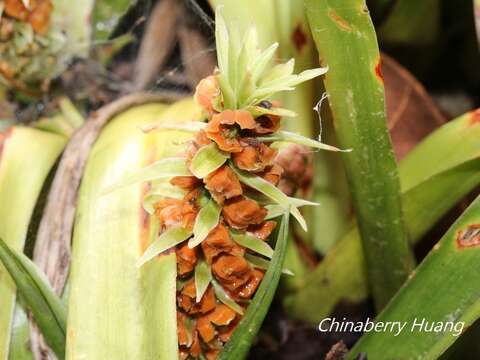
(165, 168)
(253, 243)
(206, 160)
(207, 218)
(203, 277)
(261, 263)
(272, 192)
(244, 75)
(291, 137)
(225, 298)
(165, 241)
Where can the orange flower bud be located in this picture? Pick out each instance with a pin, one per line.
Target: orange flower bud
(206, 92)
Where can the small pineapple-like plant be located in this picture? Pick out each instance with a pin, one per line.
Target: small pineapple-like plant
(215, 203)
(37, 40)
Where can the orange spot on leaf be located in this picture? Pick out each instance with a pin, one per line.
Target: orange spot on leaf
(378, 70)
(475, 117)
(469, 237)
(339, 21)
(299, 38)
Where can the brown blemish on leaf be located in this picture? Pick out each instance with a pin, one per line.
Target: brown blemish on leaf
(339, 21)
(469, 237)
(475, 117)
(3, 139)
(378, 70)
(299, 38)
(144, 236)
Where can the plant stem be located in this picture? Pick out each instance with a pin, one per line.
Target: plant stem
(345, 39)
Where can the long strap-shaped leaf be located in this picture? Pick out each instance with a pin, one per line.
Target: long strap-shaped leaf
(48, 310)
(430, 188)
(344, 265)
(356, 97)
(239, 344)
(132, 307)
(26, 159)
(450, 275)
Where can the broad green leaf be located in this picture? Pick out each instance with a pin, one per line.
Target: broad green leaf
(207, 218)
(261, 263)
(299, 139)
(271, 191)
(165, 168)
(47, 308)
(165, 241)
(206, 160)
(253, 243)
(203, 276)
(27, 157)
(450, 269)
(225, 298)
(239, 344)
(111, 232)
